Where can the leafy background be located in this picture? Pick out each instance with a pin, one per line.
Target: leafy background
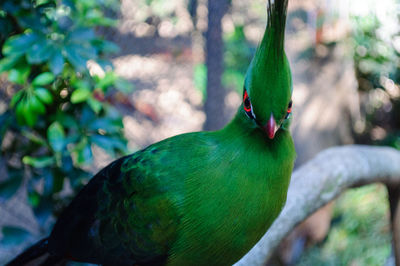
(63, 105)
(57, 108)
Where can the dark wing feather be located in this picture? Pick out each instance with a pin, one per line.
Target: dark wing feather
(123, 216)
(74, 223)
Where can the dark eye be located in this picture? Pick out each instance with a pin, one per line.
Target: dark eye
(289, 110)
(247, 105)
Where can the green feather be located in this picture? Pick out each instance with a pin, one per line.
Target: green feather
(268, 79)
(277, 22)
(201, 198)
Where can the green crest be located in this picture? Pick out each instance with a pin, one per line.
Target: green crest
(268, 79)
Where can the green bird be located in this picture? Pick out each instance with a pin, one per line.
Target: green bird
(201, 198)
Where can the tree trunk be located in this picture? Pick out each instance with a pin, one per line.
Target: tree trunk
(214, 106)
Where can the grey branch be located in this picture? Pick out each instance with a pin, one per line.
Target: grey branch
(320, 181)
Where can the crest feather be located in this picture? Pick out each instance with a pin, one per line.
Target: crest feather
(277, 12)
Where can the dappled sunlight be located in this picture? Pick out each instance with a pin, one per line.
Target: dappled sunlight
(136, 14)
(166, 87)
(140, 67)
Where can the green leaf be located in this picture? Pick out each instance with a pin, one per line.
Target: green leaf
(200, 77)
(35, 105)
(75, 58)
(66, 120)
(78, 55)
(105, 64)
(107, 124)
(81, 35)
(96, 17)
(87, 116)
(123, 86)
(13, 236)
(38, 162)
(107, 81)
(16, 98)
(67, 163)
(19, 44)
(108, 144)
(58, 183)
(81, 84)
(19, 75)
(33, 198)
(10, 186)
(43, 79)
(39, 51)
(29, 113)
(56, 62)
(20, 112)
(44, 95)
(95, 104)
(9, 62)
(42, 2)
(83, 153)
(89, 4)
(34, 137)
(25, 114)
(106, 46)
(86, 51)
(56, 136)
(80, 95)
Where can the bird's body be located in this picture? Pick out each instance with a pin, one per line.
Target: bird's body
(201, 198)
(153, 207)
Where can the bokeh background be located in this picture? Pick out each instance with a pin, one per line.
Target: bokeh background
(83, 82)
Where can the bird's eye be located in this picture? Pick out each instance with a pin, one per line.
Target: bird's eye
(248, 108)
(289, 110)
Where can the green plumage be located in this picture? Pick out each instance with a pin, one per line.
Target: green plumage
(268, 79)
(201, 198)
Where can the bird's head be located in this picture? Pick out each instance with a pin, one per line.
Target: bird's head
(268, 84)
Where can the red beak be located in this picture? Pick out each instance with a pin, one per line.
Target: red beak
(270, 127)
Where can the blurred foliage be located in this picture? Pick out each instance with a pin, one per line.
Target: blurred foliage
(377, 64)
(360, 231)
(238, 53)
(59, 108)
(200, 78)
(160, 8)
(153, 12)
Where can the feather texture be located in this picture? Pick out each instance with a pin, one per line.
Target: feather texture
(201, 198)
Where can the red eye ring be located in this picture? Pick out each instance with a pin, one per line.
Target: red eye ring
(245, 95)
(247, 105)
(246, 102)
(289, 110)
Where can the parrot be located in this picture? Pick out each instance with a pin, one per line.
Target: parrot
(200, 198)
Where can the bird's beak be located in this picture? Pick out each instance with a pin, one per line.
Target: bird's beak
(270, 128)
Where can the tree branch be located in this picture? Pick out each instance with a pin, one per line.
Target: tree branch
(320, 181)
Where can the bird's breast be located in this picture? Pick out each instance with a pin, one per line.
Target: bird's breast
(228, 207)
